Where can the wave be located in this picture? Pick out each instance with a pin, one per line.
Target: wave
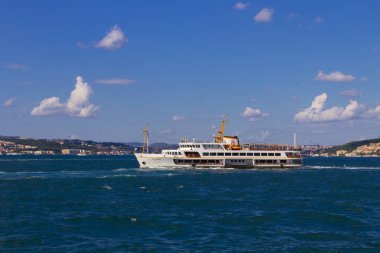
(342, 167)
(118, 175)
(21, 178)
(214, 168)
(122, 169)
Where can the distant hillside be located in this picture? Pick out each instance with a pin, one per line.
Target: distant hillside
(350, 146)
(57, 145)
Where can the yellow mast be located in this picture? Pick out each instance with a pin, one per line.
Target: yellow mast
(221, 130)
(146, 140)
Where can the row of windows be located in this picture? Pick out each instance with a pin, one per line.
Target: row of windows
(173, 153)
(212, 146)
(237, 161)
(190, 146)
(269, 161)
(193, 162)
(241, 154)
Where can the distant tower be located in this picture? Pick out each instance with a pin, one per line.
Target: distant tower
(294, 139)
(145, 147)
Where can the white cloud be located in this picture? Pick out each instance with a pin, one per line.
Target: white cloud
(114, 39)
(9, 102)
(48, 106)
(264, 16)
(317, 113)
(335, 76)
(373, 113)
(178, 118)
(15, 66)
(115, 81)
(253, 114)
(351, 93)
(78, 104)
(241, 6)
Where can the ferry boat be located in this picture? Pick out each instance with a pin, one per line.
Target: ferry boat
(223, 151)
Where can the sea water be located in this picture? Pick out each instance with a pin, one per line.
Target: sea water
(108, 204)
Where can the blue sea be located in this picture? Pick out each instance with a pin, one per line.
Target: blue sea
(108, 204)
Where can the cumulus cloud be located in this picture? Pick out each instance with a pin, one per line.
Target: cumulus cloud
(253, 114)
(78, 104)
(241, 6)
(351, 93)
(178, 118)
(373, 113)
(115, 81)
(335, 76)
(9, 102)
(114, 39)
(48, 106)
(264, 16)
(317, 112)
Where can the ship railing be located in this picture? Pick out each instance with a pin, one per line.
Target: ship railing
(195, 141)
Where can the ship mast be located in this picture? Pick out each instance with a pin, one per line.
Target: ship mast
(145, 147)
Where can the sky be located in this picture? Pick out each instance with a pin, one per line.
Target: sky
(103, 70)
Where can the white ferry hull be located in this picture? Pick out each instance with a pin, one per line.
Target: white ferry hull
(159, 161)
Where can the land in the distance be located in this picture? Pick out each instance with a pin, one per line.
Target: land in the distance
(15, 145)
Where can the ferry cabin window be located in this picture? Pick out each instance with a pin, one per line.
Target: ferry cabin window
(228, 154)
(220, 154)
(212, 154)
(249, 154)
(278, 154)
(264, 154)
(211, 146)
(235, 154)
(270, 154)
(257, 154)
(206, 154)
(243, 154)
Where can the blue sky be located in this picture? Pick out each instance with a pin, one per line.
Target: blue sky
(179, 66)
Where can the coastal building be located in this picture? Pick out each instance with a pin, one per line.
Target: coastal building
(44, 152)
(73, 152)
